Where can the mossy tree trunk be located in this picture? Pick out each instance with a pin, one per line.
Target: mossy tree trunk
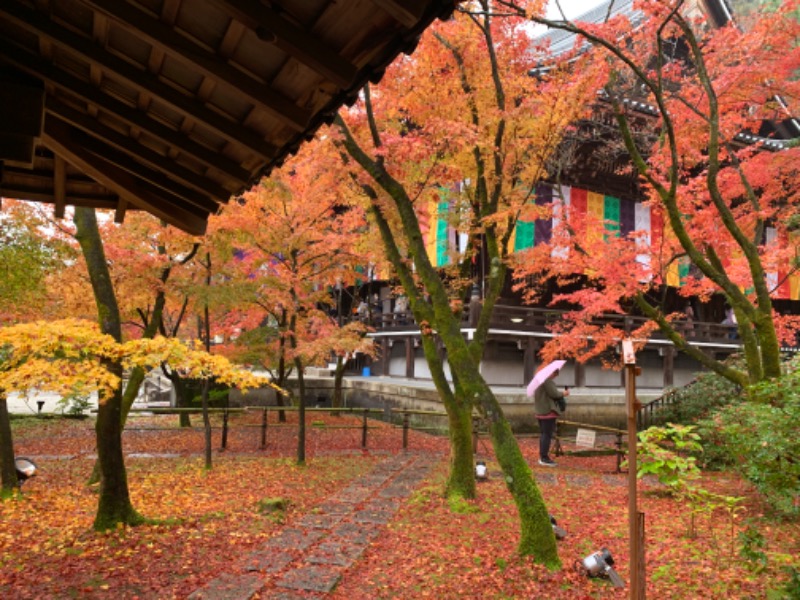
(8, 471)
(114, 505)
(433, 312)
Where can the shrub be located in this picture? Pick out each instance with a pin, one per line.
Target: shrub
(760, 439)
(664, 452)
(706, 394)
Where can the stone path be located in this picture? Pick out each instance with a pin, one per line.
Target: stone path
(308, 558)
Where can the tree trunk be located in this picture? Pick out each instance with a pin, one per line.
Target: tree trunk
(338, 377)
(8, 470)
(114, 504)
(536, 535)
(206, 426)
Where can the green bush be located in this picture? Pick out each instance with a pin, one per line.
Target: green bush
(706, 394)
(217, 393)
(664, 452)
(216, 399)
(760, 440)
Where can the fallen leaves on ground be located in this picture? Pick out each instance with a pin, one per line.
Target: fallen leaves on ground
(203, 523)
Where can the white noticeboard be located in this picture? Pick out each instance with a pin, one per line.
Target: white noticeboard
(585, 438)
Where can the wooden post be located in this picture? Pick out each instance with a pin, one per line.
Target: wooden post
(410, 358)
(264, 418)
(225, 429)
(405, 431)
(669, 366)
(580, 375)
(364, 431)
(529, 360)
(636, 586)
(385, 356)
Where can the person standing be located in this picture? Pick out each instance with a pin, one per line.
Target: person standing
(548, 404)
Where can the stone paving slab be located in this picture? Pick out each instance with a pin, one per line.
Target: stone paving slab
(546, 478)
(615, 480)
(269, 562)
(324, 543)
(343, 553)
(293, 538)
(337, 507)
(353, 494)
(358, 533)
(313, 578)
(579, 480)
(320, 520)
(229, 587)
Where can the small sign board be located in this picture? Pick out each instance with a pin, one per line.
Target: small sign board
(628, 353)
(585, 438)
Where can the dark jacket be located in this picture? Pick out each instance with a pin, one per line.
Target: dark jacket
(546, 397)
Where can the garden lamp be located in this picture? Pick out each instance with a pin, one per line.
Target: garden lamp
(26, 468)
(480, 470)
(599, 564)
(559, 532)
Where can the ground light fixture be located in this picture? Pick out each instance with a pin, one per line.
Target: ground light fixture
(480, 470)
(600, 564)
(559, 532)
(26, 468)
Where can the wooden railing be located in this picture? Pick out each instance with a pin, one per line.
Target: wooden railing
(531, 319)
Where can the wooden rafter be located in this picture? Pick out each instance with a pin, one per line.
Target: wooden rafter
(166, 39)
(58, 137)
(137, 151)
(273, 28)
(59, 186)
(35, 23)
(174, 106)
(131, 116)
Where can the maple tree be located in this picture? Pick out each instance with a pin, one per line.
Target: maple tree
(154, 272)
(460, 132)
(27, 259)
(66, 355)
(285, 244)
(716, 191)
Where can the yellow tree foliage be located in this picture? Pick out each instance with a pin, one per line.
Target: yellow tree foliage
(65, 355)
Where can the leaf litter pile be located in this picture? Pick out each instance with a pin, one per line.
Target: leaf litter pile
(202, 524)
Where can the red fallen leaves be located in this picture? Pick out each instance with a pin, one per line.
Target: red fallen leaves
(208, 521)
(430, 552)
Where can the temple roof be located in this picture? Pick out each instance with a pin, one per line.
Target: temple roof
(174, 106)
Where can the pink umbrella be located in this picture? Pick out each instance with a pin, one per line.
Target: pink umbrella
(543, 374)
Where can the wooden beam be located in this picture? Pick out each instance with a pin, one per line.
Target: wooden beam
(37, 195)
(58, 137)
(160, 35)
(140, 80)
(130, 116)
(272, 27)
(410, 354)
(122, 208)
(137, 151)
(59, 186)
(156, 178)
(408, 13)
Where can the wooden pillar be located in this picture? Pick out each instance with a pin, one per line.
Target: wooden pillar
(386, 356)
(529, 360)
(410, 357)
(668, 365)
(580, 375)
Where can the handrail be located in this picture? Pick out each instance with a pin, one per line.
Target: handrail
(645, 417)
(535, 319)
